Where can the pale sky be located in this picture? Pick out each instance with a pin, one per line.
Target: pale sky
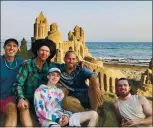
(116, 21)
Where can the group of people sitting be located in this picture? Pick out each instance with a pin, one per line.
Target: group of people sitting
(58, 93)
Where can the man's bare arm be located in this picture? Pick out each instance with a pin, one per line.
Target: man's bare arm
(94, 86)
(147, 111)
(94, 82)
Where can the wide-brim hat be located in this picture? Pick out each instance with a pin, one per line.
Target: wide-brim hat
(44, 42)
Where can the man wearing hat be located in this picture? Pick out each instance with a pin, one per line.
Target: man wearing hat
(10, 64)
(33, 73)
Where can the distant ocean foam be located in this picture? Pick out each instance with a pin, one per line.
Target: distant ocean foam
(142, 62)
(131, 53)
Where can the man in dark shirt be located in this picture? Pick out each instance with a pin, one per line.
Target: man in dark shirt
(80, 95)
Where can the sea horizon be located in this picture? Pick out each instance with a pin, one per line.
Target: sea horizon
(118, 42)
(3, 40)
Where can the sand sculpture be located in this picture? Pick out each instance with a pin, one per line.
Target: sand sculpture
(147, 76)
(76, 42)
(54, 34)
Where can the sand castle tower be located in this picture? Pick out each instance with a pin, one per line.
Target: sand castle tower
(77, 32)
(70, 36)
(147, 76)
(40, 27)
(54, 34)
(147, 81)
(82, 35)
(23, 51)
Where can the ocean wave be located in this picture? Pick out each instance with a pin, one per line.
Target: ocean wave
(124, 60)
(132, 64)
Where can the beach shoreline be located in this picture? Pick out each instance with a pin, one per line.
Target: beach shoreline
(130, 71)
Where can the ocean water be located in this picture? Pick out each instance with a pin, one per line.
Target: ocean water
(131, 53)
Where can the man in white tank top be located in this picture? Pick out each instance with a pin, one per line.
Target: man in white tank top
(132, 110)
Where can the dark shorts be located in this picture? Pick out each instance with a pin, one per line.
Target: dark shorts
(82, 97)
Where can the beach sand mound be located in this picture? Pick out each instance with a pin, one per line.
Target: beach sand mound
(107, 116)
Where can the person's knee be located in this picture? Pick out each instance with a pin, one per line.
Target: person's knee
(11, 106)
(11, 109)
(72, 104)
(94, 114)
(69, 100)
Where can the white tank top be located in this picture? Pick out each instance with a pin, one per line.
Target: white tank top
(131, 108)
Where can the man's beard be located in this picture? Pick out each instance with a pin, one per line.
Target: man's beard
(124, 95)
(70, 67)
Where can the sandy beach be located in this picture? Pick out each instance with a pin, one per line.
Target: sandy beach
(130, 71)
